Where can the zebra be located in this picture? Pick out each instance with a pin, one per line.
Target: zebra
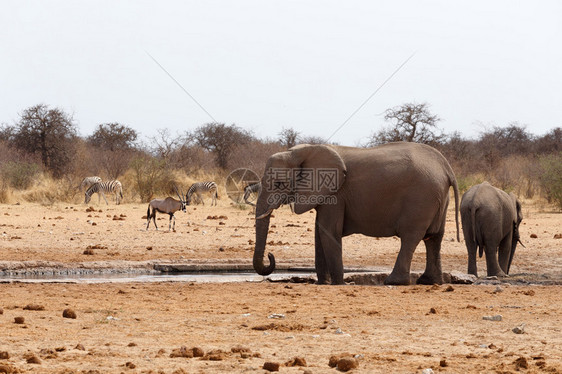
(101, 188)
(254, 188)
(88, 181)
(199, 188)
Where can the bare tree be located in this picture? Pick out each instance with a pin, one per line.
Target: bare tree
(221, 139)
(288, 137)
(47, 132)
(410, 122)
(115, 145)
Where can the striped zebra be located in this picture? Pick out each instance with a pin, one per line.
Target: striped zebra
(249, 190)
(255, 188)
(198, 189)
(101, 188)
(88, 181)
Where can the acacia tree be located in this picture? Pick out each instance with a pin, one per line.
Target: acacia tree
(49, 133)
(288, 137)
(221, 140)
(115, 145)
(410, 122)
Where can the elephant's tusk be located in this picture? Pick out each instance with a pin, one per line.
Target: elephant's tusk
(520, 242)
(265, 214)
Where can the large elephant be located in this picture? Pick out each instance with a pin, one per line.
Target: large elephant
(397, 189)
(490, 221)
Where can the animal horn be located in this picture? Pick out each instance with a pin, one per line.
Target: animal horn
(520, 242)
(177, 192)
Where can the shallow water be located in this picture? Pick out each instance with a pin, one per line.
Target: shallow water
(202, 277)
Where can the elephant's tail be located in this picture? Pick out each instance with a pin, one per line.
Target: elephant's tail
(453, 182)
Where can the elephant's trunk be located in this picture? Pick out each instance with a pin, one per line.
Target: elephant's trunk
(262, 227)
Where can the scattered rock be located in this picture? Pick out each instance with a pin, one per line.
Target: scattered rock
(271, 366)
(19, 320)
(297, 361)
(521, 363)
(519, 329)
(427, 371)
(69, 313)
(8, 369)
(182, 352)
(557, 236)
(60, 349)
(497, 317)
(449, 289)
(88, 252)
(215, 355)
(197, 352)
(534, 236)
(239, 349)
(33, 307)
(1, 311)
(4, 355)
(48, 353)
(132, 344)
(347, 363)
(130, 365)
(528, 292)
(80, 347)
(31, 358)
(149, 248)
(443, 363)
(432, 311)
(498, 289)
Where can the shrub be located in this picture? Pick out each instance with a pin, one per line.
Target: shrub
(551, 178)
(19, 175)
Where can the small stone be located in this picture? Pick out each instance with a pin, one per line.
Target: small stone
(89, 252)
(519, 329)
(80, 347)
(197, 352)
(4, 355)
(69, 313)
(432, 311)
(498, 289)
(521, 363)
(31, 358)
(182, 352)
(132, 344)
(427, 371)
(534, 236)
(19, 320)
(449, 289)
(33, 307)
(1, 311)
(130, 365)
(497, 317)
(347, 363)
(443, 363)
(271, 366)
(297, 361)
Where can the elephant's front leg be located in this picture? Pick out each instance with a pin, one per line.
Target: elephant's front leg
(329, 232)
(319, 259)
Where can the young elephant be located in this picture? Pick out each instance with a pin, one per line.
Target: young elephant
(490, 221)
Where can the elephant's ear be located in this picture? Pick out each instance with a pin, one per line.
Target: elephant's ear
(321, 173)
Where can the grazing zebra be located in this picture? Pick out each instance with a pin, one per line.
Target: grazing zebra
(254, 188)
(88, 181)
(102, 187)
(200, 188)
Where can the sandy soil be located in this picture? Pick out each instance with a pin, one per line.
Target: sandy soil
(137, 327)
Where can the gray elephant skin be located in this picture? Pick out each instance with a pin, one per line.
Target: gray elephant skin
(490, 222)
(396, 189)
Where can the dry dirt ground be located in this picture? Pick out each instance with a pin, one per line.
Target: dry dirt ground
(238, 327)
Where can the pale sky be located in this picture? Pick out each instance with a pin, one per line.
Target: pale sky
(264, 65)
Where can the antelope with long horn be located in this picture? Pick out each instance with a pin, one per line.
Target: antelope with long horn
(168, 206)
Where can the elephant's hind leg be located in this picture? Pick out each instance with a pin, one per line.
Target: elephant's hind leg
(433, 273)
(400, 274)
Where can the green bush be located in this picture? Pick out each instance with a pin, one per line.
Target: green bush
(551, 178)
(19, 175)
